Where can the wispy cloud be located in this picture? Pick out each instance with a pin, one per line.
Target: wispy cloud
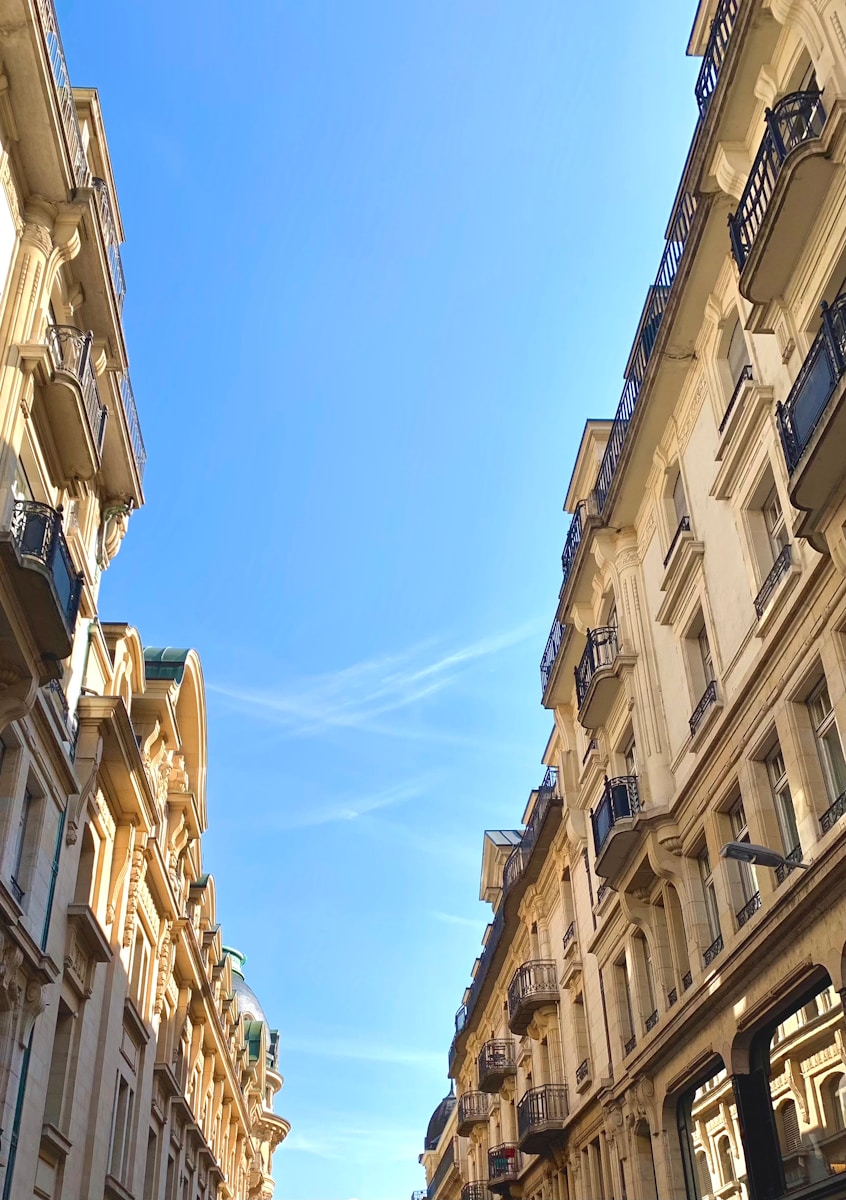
(362, 1050)
(349, 809)
(362, 695)
(452, 919)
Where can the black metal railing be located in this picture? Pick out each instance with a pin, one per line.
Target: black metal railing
(620, 799)
(630, 1044)
(582, 1070)
(541, 1106)
(833, 814)
(683, 527)
(600, 651)
(819, 375)
(58, 692)
(796, 119)
(553, 645)
(61, 78)
(475, 1191)
(715, 52)
(591, 746)
(779, 569)
(497, 1057)
(504, 1161)
(70, 350)
(111, 239)
(514, 867)
(653, 313)
(574, 538)
(494, 934)
(672, 997)
(601, 892)
(709, 698)
(713, 950)
(460, 1018)
(569, 934)
(37, 532)
(795, 855)
(529, 981)
(687, 981)
(743, 378)
(749, 909)
(136, 439)
(652, 1020)
(519, 857)
(473, 1107)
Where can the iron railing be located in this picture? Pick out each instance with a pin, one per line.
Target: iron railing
(530, 981)
(591, 746)
(709, 698)
(797, 118)
(620, 799)
(110, 237)
(492, 940)
(812, 389)
(136, 439)
(64, 91)
(630, 1044)
(541, 1106)
(475, 1191)
(652, 1020)
(37, 533)
(582, 1070)
(749, 909)
(653, 313)
(715, 52)
(504, 1162)
(70, 350)
(601, 892)
(744, 377)
(779, 569)
(473, 1108)
(687, 980)
(569, 934)
(497, 1057)
(833, 814)
(600, 651)
(683, 527)
(553, 645)
(672, 997)
(795, 855)
(713, 950)
(518, 859)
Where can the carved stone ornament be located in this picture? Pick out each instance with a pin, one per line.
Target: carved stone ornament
(112, 532)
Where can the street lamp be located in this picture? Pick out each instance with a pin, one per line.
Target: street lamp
(759, 856)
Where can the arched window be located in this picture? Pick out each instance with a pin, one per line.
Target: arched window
(737, 354)
(788, 1128)
(834, 1103)
(703, 1175)
(85, 870)
(726, 1161)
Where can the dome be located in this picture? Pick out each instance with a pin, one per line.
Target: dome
(248, 1002)
(438, 1120)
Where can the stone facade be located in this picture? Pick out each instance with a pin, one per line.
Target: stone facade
(650, 1020)
(134, 1060)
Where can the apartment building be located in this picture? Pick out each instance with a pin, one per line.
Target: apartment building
(657, 1011)
(135, 1061)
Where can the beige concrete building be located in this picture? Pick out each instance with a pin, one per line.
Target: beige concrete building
(135, 1061)
(647, 1018)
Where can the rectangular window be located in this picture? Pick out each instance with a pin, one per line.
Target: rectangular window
(712, 914)
(121, 1130)
(624, 994)
(22, 847)
(745, 871)
(783, 802)
(705, 655)
(55, 1108)
(738, 355)
(679, 499)
(829, 746)
(775, 523)
(630, 758)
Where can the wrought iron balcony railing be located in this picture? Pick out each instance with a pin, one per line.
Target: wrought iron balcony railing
(779, 569)
(672, 997)
(743, 378)
(518, 859)
(796, 119)
(111, 239)
(475, 1191)
(620, 799)
(569, 934)
(793, 856)
(497, 1059)
(136, 439)
(532, 984)
(542, 1107)
(687, 981)
(629, 1045)
(37, 533)
(64, 91)
(582, 1070)
(472, 1109)
(70, 350)
(553, 645)
(715, 52)
(818, 376)
(713, 950)
(600, 651)
(584, 509)
(504, 1162)
(831, 815)
(652, 1020)
(683, 527)
(749, 909)
(709, 698)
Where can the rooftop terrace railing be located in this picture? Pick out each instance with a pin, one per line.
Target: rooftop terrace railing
(64, 91)
(715, 52)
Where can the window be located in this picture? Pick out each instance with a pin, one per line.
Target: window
(624, 996)
(648, 976)
(121, 1130)
(151, 1165)
(745, 871)
(55, 1108)
(630, 758)
(737, 355)
(23, 839)
(679, 500)
(726, 1160)
(774, 521)
(834, 1103)
(783, 802)
(705, 655)
(712, 915)
(829, 746)
(788, 1128)
(140, 970)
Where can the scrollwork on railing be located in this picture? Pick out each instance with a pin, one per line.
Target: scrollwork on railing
(830, 817)
(713, 950)
(708, 699)
(779, 569)
(37, 532)
(749, 909)
(600, 650)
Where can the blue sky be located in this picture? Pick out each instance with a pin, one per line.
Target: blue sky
(383, 259)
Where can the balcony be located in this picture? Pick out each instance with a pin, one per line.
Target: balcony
(475, 1191)
(532, 986)
(541, 1116)
(472, 1110)
(69, 414)
(715, 52)
(782, 197)
(812, 421)
(504, 1166)
(598, 676)
(703, 709)
(519, 861)
(553, 645)
(497, 1062)
(829, 818)
(40, 569)
(749, 909)
(779, 569)
(108, 225)
(613, 822)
